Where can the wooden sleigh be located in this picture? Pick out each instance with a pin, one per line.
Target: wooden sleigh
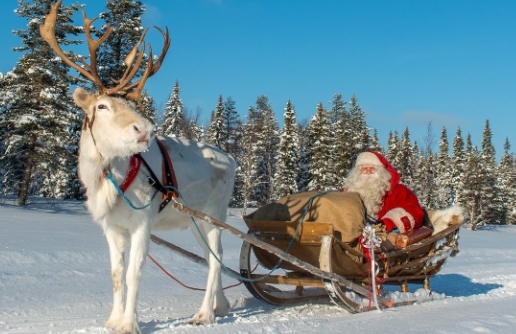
(301, 250)
(320, 243)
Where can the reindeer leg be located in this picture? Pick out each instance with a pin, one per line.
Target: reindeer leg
(118, 240)
(215, 302)
(139, 246)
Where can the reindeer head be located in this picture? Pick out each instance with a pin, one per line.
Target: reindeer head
(117, 128)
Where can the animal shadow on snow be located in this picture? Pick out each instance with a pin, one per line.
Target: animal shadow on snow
(455, 285)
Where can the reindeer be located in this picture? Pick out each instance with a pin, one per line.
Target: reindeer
(117, 145)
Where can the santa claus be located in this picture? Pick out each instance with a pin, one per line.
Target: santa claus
(387, 200)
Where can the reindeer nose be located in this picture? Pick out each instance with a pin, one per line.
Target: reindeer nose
(143, 135)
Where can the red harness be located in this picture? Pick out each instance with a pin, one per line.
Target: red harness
(168, 175)
(134, 168)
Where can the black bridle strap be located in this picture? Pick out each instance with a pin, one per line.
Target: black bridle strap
(168, 177)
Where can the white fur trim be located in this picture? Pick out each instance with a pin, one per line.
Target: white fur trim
(367, 158)
(441, 218)
(396, 215)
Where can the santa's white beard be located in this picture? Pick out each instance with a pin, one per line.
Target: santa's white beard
(372, 188)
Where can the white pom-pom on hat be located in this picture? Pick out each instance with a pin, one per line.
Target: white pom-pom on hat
(368, 158)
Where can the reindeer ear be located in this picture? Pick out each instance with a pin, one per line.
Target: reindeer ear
(83, 99)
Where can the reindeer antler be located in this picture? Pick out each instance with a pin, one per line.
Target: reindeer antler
(133, 60)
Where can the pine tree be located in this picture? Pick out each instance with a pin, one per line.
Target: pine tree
(375, 143)
(149, 107)
(458, 160)
(491, 205)
(393, 146)
(358, 128)
(342, 146)
(321, 162)
(125, 18)
(265, 130)
(428, 197)
(174, 120)
(507, 182)
(231, 126)
(287, 171)
(444, 175)
(40, 122)
(216, 134)
(471, 185)
(403, 160)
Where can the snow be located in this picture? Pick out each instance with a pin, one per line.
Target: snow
(55, 278)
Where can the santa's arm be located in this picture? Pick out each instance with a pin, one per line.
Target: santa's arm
(403, 210)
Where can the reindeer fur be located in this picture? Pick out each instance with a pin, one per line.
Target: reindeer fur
(205, 179)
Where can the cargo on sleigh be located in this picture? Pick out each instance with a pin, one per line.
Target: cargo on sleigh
(323, 230)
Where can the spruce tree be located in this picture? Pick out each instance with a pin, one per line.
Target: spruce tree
(403, 160)
(507, 181)
(174, 120)
(40, 122)
(458, 159)
(321, 162)
(343, 143)
(265, 130)
(444, 175)
(358, 128)
(393, 146)
(287, 171)
(491, 205)
(231, 126)
(149, 107)
(125, 18)
(216, 134)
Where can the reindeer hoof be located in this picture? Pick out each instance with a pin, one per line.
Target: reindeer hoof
(201, 319)
(128, 328)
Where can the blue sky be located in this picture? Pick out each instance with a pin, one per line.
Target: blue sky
(409, 62)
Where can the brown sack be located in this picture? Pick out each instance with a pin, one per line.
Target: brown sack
(345, 211)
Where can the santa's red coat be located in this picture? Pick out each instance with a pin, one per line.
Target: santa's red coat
(401, 209)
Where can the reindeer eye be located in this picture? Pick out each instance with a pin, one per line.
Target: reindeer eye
(102, 106)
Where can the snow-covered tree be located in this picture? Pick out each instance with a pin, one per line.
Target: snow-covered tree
(125, 18)
(287, 171)
(174, 120)
(444, 176)
(507, 181)
(216, 134)
(231, 126)
(491, 205)
(393, 146)
(321, 160)
(358, 128)
(342, 144)
(265, 129)
(39, 120)
(403, 160)
(458, 161)
(149, 107)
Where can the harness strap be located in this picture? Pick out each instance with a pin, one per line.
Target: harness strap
(134, 168)
(169, 177)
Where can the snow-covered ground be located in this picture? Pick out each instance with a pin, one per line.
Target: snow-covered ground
(55, 278)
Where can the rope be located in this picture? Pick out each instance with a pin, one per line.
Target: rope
(187, 286)
(127, 200)
(239, 277)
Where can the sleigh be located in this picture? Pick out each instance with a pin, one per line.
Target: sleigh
(305, 248)
(320, 235)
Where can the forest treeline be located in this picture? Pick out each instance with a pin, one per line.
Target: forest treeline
(40, 128)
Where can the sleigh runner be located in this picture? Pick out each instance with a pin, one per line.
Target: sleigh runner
(314, 229)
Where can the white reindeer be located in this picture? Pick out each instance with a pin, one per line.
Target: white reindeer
(113, 132)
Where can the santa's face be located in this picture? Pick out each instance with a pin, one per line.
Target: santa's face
(368, 169)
